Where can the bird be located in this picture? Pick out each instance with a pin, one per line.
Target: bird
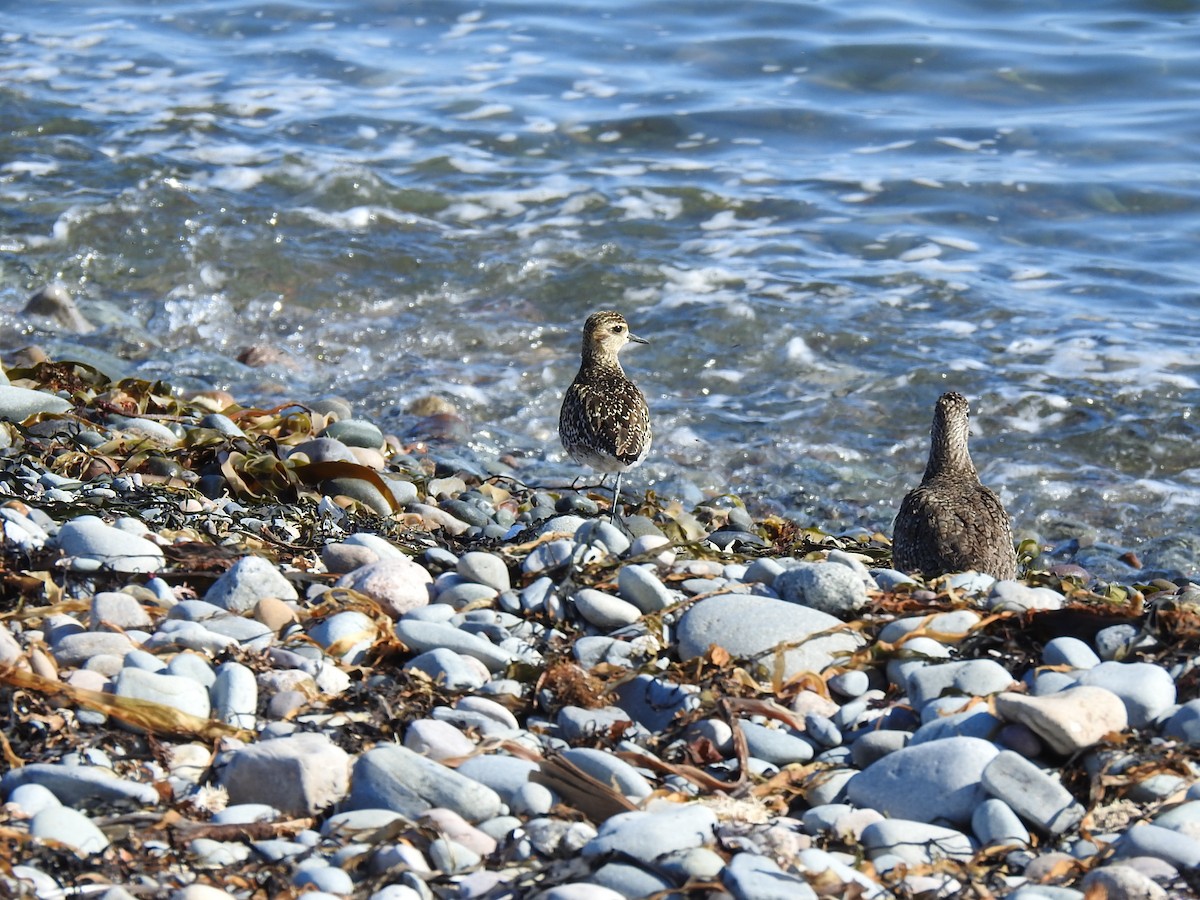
(952, 522)
(604, 422)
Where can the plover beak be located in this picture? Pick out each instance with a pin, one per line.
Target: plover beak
(637, 340)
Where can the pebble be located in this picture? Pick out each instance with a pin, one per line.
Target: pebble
(398, 585)
(70, 827)
(1147, 690)
(917, 843)
(248, 581)
(1035, 796)
(831, 588)
(484, 568)
(648, 835)
(174, 691)
(640, 587)
(604, 610)
(394, 777)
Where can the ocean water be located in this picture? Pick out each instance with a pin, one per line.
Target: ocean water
(820, 214)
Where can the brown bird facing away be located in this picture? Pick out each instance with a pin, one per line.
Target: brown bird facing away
(604, 422)
(952, 522)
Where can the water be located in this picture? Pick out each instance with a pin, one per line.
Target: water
(821, 214)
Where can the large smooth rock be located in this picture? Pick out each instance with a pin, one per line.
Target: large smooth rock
(88, 539)
(932, 782)
(759, 628)
(1036, 796)
(1146, 689)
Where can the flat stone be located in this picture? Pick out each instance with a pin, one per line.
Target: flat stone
(397, 585)
(754, 627)
(1014, 596)
(936, 781)
(654, 702)
(449, 669)
(323, 449)
(354, 433)
(1184, 724)
(505, 775)
(437, 739)
(76, 649)
(778, 746)
(1118, 882)
(610, 770)
(1070, 720)
(1166, 844)
(1069, 651)
(393, 777)
(87, 538)
(995, 824)
(298, 775)
(1036, 796)
(1147, 690)
(249, 580)
(953, 625)
(646, 836)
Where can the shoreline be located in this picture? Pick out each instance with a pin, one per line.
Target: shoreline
(482, 690)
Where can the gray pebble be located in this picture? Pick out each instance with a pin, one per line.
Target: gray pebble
(437, 739)
(917, 843)
(175, 691)
(249, 580)
(1014, 596)
(298, 775)
(355, 433)
(853, 683)
(1114, 642)
(393, 777)
(750, 626)
(972, 677)
(641, 587)
(1184, 723)
(423, 636)
(995, 823)
(235, 695)
(449, 669)
(939, 780)
(604, 610)
(17, 404)
(655, 702)
(778, 746)
(118, 609)
(1036, 796)
(829, 587)
(79, 785)
(548, 557)
(1142, 839)
(484, 568)
(611, 770)
(324, 449)
(749, 876)
(1069, 651)
(875, 745)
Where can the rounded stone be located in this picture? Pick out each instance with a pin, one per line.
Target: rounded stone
(604, 610)
(89, 539)
(397, 585)
(832, 588)
(249, 580)
(484, 568)
(70, 827)
(355, 433)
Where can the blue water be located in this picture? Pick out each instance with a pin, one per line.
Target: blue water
(821, 214)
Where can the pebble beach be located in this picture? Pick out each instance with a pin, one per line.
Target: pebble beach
(259, 653)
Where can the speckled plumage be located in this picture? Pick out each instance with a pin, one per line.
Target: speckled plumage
(604, 422)
(952, 522)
